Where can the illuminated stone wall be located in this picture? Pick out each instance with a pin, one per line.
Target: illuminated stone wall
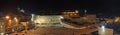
(47, 20)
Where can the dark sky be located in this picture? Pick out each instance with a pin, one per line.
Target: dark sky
(107, 7)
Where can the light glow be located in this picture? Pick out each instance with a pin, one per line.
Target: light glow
(15, 19)
(2, 33)
(61, 17)
(103, 28)
(7, 17)
(117, 19)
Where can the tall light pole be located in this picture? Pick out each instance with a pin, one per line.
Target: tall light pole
(32, 19)
(7, 20)
(85, 12)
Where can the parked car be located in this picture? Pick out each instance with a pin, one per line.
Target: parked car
(20, 28)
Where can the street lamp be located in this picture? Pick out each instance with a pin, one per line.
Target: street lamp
(7, 17)
(85, 12)
(15, 19)
(9, 22)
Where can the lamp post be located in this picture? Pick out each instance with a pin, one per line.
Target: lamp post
(16, 20)
(7, 17)
(9, 23)
(85, 12)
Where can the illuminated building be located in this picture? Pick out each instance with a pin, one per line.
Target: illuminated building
(87, 22)
(117, 19)
(90, 18)
(72, 14)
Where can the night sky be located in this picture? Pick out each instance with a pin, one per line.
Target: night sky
(106, 7)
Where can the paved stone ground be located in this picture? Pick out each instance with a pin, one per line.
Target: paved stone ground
(56, 31)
